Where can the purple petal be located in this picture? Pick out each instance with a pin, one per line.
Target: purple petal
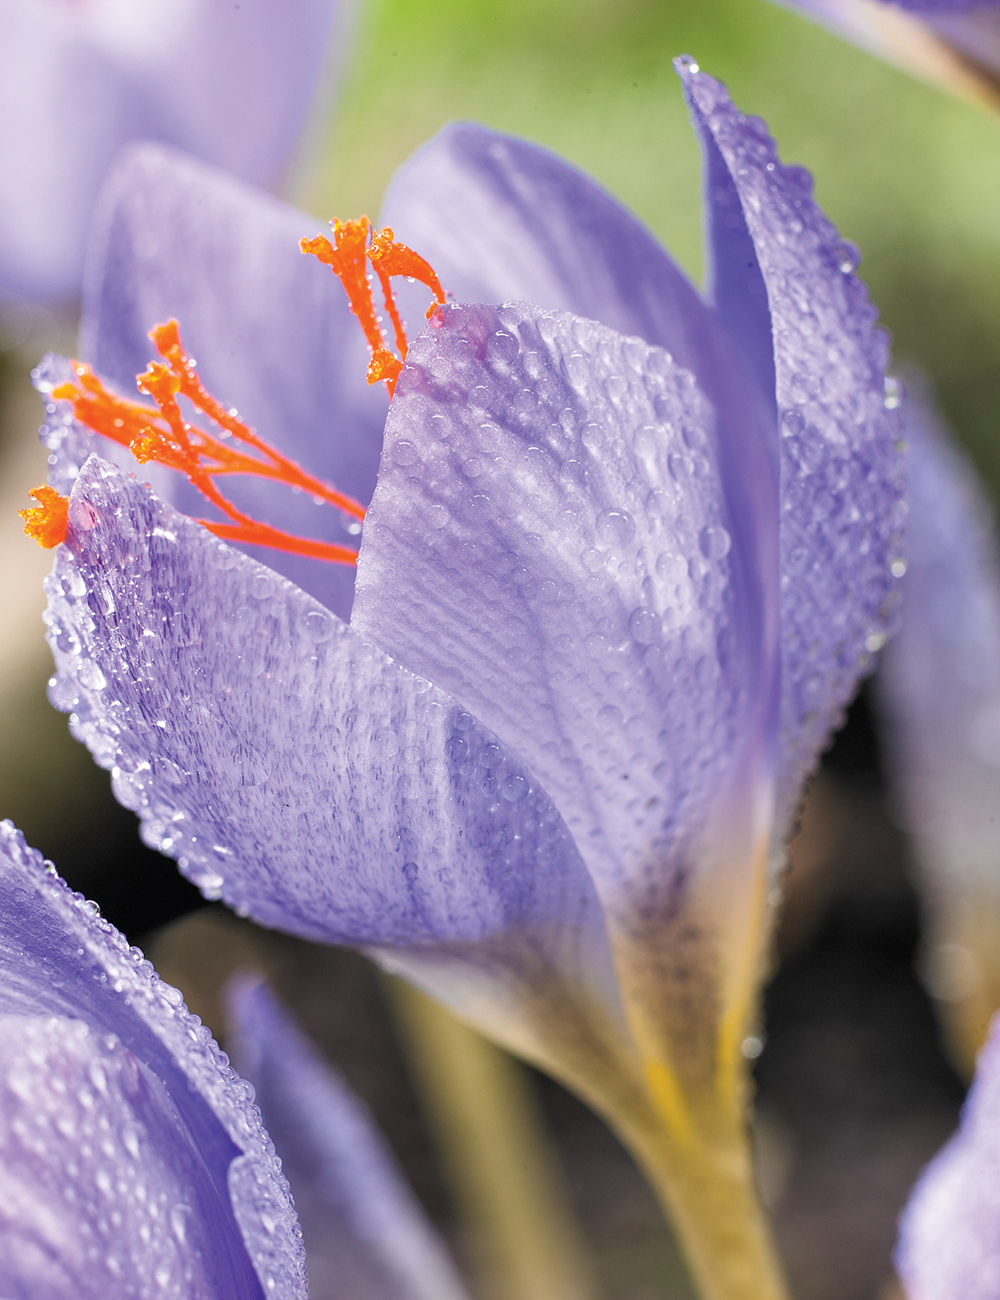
(111, 1088)
(230, 83)
(502, 219)
(366, 1236)
(840, 470)
(949, 1238)
(298, 773)
(940, 679)
(549, 540)
(972, 29)
(270, 329)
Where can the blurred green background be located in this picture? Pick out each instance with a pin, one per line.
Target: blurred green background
(912, 176)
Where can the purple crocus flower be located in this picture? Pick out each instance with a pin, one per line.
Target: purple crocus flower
(132, 1159)
(953, 42)
(626, 556)
(230, 83)
(949, 1241)
(940, 688)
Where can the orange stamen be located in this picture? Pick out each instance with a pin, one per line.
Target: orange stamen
(388, 258)
(163, 436)
(47, 522)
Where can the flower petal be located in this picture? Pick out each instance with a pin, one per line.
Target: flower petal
(271, 331)
(95, 1052)
(298, 773)
(940, 689)
(949, 1237)
(502, 219)
(231, 83)
(550, 541)
(840, 469)
(366, 1235)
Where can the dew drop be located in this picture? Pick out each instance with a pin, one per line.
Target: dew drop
(714, 542)
(404, 453)
(644, 626)
(615, 527)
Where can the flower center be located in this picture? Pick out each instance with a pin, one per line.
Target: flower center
(163, 435)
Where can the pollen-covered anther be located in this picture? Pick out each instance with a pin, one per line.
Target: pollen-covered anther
(47, 522)
(163, 436)
(346, 257)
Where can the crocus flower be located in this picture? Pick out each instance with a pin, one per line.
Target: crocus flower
(953, 42)
(940, 688)
(230, 83)
(133, 1161)
(626, 556)
(949, 1241)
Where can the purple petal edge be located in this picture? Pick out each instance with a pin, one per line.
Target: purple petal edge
(949, 1236)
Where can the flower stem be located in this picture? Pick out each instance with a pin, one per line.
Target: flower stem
(706, 1185)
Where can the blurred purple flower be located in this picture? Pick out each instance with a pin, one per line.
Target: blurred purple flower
(365, 1235)
(953, 42)
(230, 83)
(626, 557)
(132, 1160)
(949, 1241)
(940, 691)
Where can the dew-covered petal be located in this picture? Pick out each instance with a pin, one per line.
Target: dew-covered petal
(294, 770)
(502, 220)
(230, 83)
(129, 1151)
(102, 1191)
(270, 329)
(365, 1233)
(549, 541)
(949, 1239)
(840, 467)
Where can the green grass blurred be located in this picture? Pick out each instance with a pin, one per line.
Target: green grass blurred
(908, 173)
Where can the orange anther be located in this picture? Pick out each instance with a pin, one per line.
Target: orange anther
(388, 258)
(47, 522)
(396, 259)
(164, 436)
(384, 365)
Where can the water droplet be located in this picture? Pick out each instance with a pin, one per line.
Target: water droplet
(404, 453)
(615, 527)
(514, 788)
(502, 346)
(714, 542)
(644, 626)
(320, 626)
(681, 467)
(90, 676)
(893, 393)
(578, 369)
(848, 257)
(897, 568)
